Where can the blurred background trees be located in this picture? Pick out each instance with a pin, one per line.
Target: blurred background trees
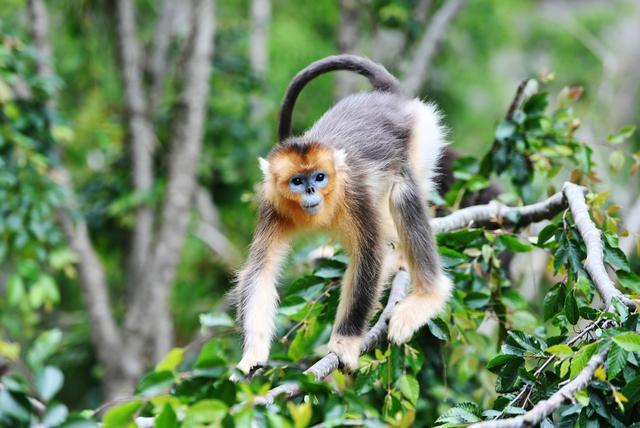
(131, 129)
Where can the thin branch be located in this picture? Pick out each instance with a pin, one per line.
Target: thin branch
(418, 69)
(330, 362)
(209, 231)
(517, 99)
(140, 136)
(548, 406)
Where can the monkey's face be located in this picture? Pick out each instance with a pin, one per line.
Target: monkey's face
(301, 180)
(308, 186)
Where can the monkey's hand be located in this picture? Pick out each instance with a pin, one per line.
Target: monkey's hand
(347, 348)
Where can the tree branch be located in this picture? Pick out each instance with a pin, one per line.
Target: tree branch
(157, 59)
(186, 143)
(418, 69)
(548, 406)
(594, 263)
(140, 136)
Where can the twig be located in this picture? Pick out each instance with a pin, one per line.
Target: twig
(546, 407)
(517, 99)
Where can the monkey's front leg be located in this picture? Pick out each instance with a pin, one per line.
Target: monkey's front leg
(359, 293)
(256, 294)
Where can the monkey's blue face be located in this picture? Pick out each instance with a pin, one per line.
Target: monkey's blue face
(307, 185)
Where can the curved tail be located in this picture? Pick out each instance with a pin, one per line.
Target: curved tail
(380, 79)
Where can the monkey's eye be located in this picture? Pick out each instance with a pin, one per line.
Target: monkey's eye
(296, 181)
(320, 177)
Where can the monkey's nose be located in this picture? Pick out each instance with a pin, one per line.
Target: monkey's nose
(311, 190)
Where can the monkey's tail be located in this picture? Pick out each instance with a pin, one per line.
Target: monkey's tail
(380, 79)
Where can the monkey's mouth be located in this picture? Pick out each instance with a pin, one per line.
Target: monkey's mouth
(312, 208)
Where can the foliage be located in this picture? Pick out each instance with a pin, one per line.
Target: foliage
(32, 253)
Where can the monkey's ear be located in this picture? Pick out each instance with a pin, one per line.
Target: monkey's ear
(340, 157)
(265, 167)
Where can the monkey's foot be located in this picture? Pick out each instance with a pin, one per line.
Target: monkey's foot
(250, 363)
(347, 348)
(416, 309)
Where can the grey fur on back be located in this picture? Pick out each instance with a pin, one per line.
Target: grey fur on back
(369, 126)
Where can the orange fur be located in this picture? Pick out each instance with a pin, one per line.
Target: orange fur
(285, 163)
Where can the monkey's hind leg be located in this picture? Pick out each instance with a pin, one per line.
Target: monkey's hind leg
(431, 287)
(360, 289)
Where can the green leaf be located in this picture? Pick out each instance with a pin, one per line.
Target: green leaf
(561, 350)
(632, 391)
(171, 361)
(329, 272)
(439, 329)
(546, 233)
(508, 375)
(305, 340)
(44, 346)
(571, 310)
(167, 418)
(505, 129)
(15, 290)
(615, 258)
(301, 414)
(122, 415)
(55, 415)
(155, 383)
(628, 341)
(205, 412)
(462, 414)
(624, 134)
(629, 280)
(216, 319)
(581, 358)
(500, 360)
(11, 407)
(451, 258)
(536, 104)
(616, 361)
(616, 161)
(410, 388)
(514, 244)
(459, 238)
(48, 382)
(554, 301)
